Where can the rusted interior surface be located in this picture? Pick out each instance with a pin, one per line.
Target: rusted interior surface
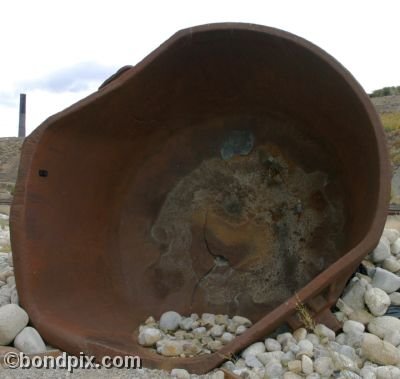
(235, 166)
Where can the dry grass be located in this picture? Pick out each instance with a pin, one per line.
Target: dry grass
(391, 121)
(304, 315)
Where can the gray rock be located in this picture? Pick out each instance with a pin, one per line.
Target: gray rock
(12, 320)
(29, 341)
(170, 321)
(386, 280)
(377, 301)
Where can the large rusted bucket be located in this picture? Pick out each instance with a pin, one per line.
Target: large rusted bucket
(237, 169)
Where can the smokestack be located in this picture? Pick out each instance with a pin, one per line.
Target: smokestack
(22, 115)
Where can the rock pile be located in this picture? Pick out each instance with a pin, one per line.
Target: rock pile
(175, 335)
(15, 334)
(368, 346)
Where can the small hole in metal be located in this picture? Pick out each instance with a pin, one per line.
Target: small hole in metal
(43, 173)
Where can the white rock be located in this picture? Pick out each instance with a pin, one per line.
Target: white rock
(324, 366)
(395, 298)
(313, 338)
(180, 373)
(208, 319)
(170, 348)
(272, 344)
(386, 280)
(353, 296)
(323, 331)
(29, 341)
(149, 336)
(341, 338)
(387, 372)
(254, 349)
(307, 365)
(217, 375)
(291, 375)
(12, 320)
(270, 356)
(252, 361)
(391, 234)
(385, 327)
(287, 357)
(377, 301)
(391, 264)
(378, 351)
(382, 251)
(367, 373)
(313, 375)
(170, 321)
(285, 339)
(199, 332)
(239, 320)
(294, 366)
(217, 330)
(351, 326)
(347, 374)
(186, 323)
(240, 330)
(273, 370)
(300, 334)
(305, 347)
(227, 337)
(395, 247)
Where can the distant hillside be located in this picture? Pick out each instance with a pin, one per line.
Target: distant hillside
(387, 104)
(9, 160)
(386, 91)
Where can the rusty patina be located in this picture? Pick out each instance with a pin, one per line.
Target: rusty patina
(237, 169)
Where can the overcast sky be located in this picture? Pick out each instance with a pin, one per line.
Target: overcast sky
(59, 51)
